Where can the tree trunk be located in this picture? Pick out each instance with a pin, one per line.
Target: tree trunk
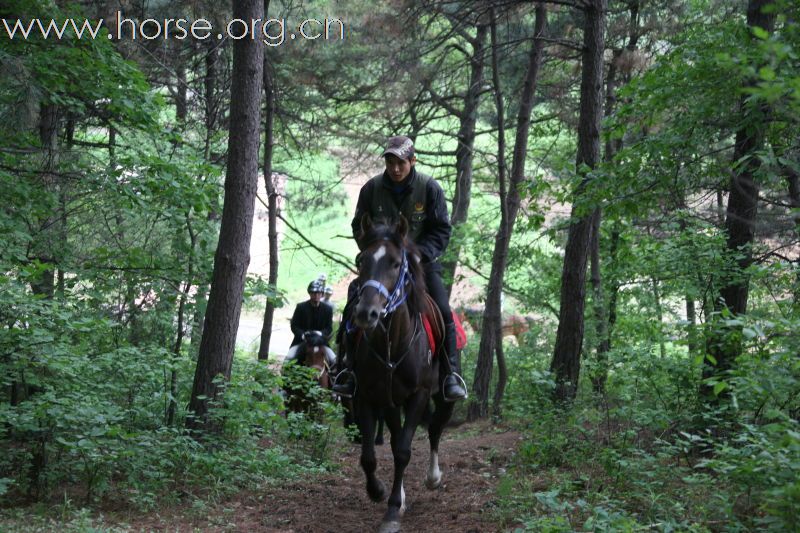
(662, 348)
(183, 298)
(569, 337)
(604, 344)
(600, 373)
(272, 205)
(63, 202)
(740, 218)
(43, 247)
(491, 335)
(232, 256)
(606, 313)
(209, 94)
(181, 102)
(601, 324)
(793, 182)
(464, 151)
(209, 115)
(691, 325)
(479, 406)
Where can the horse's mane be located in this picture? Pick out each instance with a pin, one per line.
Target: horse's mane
(384, 232)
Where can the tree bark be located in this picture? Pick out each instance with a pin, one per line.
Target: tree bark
(183, 298)
(740, 217)
(209, 94)
(210, 83)
(43, 247)
(491, 334)
(479, 406)
(793, 182)
(691, 325)
(464, 151)
(569, 337)
(232, 256)
(181, 101)
(612, 146)
(600, 373)
(662, 348)
(606, 312)
(272, 207)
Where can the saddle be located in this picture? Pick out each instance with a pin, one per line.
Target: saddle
(432, 321)
(434, 324)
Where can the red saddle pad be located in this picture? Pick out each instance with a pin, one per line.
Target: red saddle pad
(461, 335)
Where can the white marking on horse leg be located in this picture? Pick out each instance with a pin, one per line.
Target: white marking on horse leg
(380, 252)
(402, 499)
(434, 478)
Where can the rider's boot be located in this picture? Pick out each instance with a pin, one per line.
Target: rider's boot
(345, 382)
(453, 387)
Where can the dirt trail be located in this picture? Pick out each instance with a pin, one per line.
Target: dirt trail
(472, 458)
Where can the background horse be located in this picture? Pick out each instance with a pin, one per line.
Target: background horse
(311, 355)
(512, 325)
(393, 360)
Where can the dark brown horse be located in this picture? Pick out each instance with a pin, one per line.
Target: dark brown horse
(393, 361)
(300, 394)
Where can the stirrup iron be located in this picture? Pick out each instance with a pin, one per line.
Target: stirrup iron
(355, 383)
(463, 386)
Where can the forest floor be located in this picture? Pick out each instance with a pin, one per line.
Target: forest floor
(472, 457)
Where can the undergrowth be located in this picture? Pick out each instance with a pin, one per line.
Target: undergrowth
(647, 455)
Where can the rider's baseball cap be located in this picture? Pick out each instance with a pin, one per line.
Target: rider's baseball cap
(401, 146)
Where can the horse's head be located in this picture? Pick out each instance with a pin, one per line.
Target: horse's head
(313, 354)
(389, 271)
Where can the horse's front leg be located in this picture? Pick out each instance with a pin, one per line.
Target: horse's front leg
(366, 425)
(402, 437)
(441, 415)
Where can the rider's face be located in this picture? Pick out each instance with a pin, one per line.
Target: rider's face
(399, 169)
(314, 298)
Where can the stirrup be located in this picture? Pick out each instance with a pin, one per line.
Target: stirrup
(463, 386)
(337, 381)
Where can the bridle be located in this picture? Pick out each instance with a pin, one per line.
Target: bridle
(394, 300)
(310, 350)
(399, 294)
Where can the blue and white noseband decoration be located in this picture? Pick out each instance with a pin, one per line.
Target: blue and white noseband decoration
(399, 294)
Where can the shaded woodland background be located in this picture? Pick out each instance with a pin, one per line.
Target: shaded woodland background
(623, 173)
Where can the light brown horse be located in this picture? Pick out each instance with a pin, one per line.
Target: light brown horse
(513, 325)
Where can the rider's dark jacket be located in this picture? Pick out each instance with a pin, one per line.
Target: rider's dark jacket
(420, 199)
(306, 317)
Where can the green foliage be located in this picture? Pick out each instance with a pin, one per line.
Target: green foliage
(635, 458)
(321, 213)
(126, 231)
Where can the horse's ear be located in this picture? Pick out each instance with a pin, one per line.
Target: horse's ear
(402, 227)
(366, 224)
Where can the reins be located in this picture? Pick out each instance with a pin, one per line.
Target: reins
(387, 363)
(394, 300)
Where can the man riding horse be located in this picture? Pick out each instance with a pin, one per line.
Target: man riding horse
(401, 190)
(308, 316)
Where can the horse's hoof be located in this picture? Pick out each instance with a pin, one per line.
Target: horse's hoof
(390, 526)
(379, 441)
(378, 493)
(433, 484)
